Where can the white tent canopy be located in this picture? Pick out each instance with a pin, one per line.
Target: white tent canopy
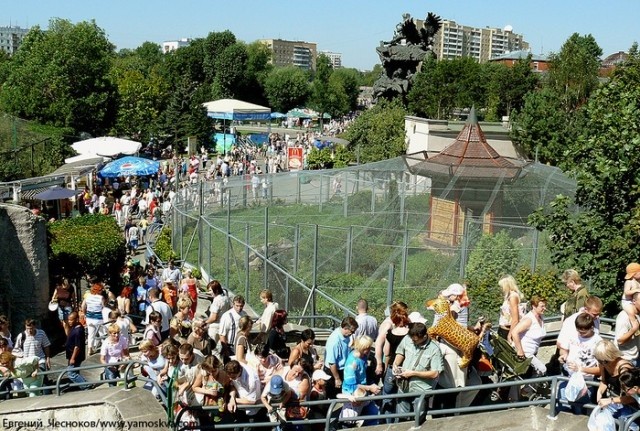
(236, 110)
(107, 146)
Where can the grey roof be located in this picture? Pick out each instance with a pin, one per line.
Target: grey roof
(520, 55)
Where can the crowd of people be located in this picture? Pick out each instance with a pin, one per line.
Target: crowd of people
(227, 359)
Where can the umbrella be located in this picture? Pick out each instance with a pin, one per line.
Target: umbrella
(55, 193)
(107, 146)
(129, 166)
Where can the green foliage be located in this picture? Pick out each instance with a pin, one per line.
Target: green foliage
(319, 159)
(60, 77)
(163, 248)
(543, 284)
(360, 201)
(342, 156)
(492, 257)
(287, 88)
(378, 134)
(87, 245)
(601, 239)
(195, 273)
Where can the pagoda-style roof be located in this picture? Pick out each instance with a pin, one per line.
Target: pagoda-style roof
(469, 156)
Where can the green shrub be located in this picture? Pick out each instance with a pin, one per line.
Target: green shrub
(545, 285)
(87, 245)
(163, 248)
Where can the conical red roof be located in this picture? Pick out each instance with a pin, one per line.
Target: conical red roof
(470, 155)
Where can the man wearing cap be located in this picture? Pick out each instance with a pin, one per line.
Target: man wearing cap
(454, 294)
(419, 363)
(337, 350)
(579, 295)
(276, 391)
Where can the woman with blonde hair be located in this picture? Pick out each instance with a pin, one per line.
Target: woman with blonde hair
(355, 376)
(611, 365)
(510, 310)
(180, 325)
(212, 385)
(242, 345)
(92, 307)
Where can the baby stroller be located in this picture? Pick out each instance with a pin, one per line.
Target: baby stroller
(508, 366)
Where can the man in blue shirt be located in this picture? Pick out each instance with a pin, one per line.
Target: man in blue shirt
(337, 350)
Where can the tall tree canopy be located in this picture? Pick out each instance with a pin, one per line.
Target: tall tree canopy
(287, 88)
(601, 239)
(61, 77)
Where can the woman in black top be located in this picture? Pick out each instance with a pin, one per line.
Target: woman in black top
(277, 338)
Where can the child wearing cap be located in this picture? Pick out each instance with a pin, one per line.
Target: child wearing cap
(631, 286)
(318, 393)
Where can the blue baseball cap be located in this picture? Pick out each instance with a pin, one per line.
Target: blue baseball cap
(277, 385)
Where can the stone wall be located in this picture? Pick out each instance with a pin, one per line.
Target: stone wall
(24, 268)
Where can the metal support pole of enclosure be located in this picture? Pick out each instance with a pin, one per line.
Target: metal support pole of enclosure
(227, 258)
(534, 252)
(320, 193)
(210, 257)
(405, 253)
(392, 271)
(247, 280)
(266, 249)
(463, 248)
(200, 223)
(345, 201)
(347, 265)
(298, 188)
(373, 196)
(403, 190)
(296, 249)
(314, 282)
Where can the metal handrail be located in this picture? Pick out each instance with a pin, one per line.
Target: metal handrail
(127, 378)
(552, 402)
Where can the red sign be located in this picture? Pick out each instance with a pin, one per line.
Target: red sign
(295, 158)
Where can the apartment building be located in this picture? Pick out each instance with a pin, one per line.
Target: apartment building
(292, 53)
(172, 45)
(456, 40)
(334, 57)
(11, 38)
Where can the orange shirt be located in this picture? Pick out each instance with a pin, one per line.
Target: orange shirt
(170, 296)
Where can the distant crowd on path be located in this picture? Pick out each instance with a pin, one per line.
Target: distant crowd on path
(226, 359)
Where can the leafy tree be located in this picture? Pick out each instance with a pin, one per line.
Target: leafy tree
(143, 93)
(601, 238)
(367, 79)
(378, 134)
(573, 72)
(90, 244)
(257, 70)
(287, 88)
(230, 71)
(542, 128)
(213, 47)
(346, 89)
(60, 77)
(444, 85)
(321, 97)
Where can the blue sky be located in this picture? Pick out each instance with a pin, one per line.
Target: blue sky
(351, 27)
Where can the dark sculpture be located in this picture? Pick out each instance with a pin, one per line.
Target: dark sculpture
(403, 55)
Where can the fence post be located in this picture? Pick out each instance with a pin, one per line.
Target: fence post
(534, 254)
(247, 238)
(320, 193)
(345, 193)
(463, 248)
(347, 266)
(228, 243)
(298, 188)
(403, 190)
(210, 258)
(373, 196)
(392, 271)
(296, 248)
(266, 248)
(314, 282)
(405, 253)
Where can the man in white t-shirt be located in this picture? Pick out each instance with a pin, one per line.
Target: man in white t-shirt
(626, 337)
(593, 307)
(229, 326)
